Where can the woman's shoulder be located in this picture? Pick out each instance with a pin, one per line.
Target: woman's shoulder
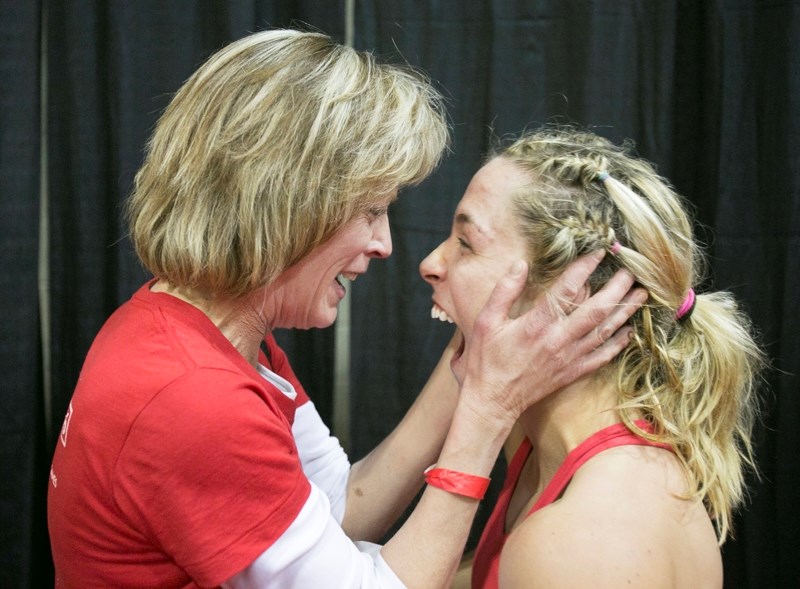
(575, 544)
(620, 522)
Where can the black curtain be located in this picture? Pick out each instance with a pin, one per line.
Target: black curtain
(709, 91)
(22, 449)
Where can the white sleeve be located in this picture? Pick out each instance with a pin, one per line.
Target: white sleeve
(315, 552)
(324, 461)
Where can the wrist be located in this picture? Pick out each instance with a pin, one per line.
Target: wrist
(456, 482)
(474, 440)
(487, 409)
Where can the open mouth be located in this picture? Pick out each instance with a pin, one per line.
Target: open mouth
(438, 313)
(344, 278)
(460, 350)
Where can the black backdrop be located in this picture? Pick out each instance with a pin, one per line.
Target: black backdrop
(709, 89)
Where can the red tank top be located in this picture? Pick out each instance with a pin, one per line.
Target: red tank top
(486, 565)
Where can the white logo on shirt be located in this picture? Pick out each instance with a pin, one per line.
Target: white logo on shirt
(65, 427)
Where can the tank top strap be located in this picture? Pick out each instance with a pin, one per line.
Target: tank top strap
(609, 437)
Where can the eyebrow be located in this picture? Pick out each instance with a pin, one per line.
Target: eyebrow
(462, 219)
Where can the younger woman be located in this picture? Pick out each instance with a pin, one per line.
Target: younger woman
(627, 477)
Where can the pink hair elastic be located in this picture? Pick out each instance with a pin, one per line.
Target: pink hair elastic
(687, 306)
(615, 248)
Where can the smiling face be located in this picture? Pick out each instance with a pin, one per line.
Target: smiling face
(308, 293)
(482, 246)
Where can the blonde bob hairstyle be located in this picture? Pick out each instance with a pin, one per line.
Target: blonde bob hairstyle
(268, 149)
(694, 379)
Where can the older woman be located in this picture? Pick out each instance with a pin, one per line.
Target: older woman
(628, 476)
(190, 455)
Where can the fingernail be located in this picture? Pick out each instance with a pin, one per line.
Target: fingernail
(517, 268)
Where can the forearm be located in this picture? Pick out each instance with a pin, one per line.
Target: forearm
(436, 532)
(383, 483)
(463, 577)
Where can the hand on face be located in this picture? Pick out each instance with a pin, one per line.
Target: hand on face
(513, 363)
(482, 245)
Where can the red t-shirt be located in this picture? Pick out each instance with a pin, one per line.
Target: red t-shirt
(176, 465)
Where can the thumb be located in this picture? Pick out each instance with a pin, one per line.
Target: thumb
(506, 292)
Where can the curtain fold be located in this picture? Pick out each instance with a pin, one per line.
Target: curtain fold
(21, 425)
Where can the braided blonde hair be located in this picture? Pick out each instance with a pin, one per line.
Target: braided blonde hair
(694, 379)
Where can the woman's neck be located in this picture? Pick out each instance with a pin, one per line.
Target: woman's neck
(560, 422)
(241, 320)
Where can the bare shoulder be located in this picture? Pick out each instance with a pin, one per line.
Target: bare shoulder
(563, 547)
(620, 523)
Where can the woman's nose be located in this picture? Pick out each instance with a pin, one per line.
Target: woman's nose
(432, 267)
(381, 244)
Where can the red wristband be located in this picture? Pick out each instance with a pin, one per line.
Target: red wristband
(460, 483)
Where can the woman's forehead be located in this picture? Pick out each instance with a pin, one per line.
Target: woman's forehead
(486, 204)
